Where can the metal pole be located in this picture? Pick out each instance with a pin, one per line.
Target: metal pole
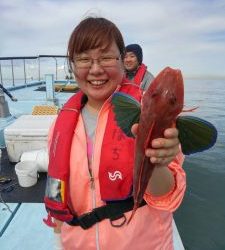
(12, 72)
(56, 67)
(1, 73)
(39, 70)
(24, 69)
(50, 92)
(4, 108)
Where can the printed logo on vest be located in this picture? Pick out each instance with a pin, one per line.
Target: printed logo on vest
(116, 175)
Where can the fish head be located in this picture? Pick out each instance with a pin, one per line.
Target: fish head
(166, 92)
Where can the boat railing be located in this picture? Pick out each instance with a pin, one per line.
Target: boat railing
(9, 77)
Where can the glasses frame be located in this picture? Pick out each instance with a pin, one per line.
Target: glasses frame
(98, 60)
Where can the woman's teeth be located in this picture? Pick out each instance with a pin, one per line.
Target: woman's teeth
(97, 83)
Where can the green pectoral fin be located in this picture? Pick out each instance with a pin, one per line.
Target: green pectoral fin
(127, 111)
(195, 134)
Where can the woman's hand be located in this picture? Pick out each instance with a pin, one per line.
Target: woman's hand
(164, 149)
(161, 153)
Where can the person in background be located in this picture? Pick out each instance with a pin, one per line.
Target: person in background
(135, 70)
(8, 93)
(91, 160)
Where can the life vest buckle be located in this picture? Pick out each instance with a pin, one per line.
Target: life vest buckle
(88, 219)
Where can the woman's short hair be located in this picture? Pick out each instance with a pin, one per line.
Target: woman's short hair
(92, 33)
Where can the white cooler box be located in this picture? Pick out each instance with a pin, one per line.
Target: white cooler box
(28, 132)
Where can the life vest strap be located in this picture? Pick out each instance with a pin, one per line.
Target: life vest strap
(113, 210)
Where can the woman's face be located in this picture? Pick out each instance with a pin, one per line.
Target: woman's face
(100, 79)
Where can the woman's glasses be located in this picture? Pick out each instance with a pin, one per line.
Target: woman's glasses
(103, 61)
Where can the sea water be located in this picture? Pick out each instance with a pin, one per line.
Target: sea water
(201, 216)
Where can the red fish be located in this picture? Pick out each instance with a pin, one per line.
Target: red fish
(159, 110)
(161, 104)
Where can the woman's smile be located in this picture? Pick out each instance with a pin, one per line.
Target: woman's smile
(97, 83)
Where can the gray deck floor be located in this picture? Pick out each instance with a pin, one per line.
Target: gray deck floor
(26, 230)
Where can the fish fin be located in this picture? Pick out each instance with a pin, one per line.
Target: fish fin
(190, 110)
(195, 134)
(127, 111)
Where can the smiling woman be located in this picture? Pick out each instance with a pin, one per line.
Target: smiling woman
(96, 59)
(90, 173)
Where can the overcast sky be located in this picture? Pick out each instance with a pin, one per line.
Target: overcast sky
(185, 34)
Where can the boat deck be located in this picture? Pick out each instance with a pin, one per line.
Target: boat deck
(18, 194)
(21, 212)
(23, 229)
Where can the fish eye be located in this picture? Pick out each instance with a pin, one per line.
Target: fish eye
(154, 94)
(173, 100)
